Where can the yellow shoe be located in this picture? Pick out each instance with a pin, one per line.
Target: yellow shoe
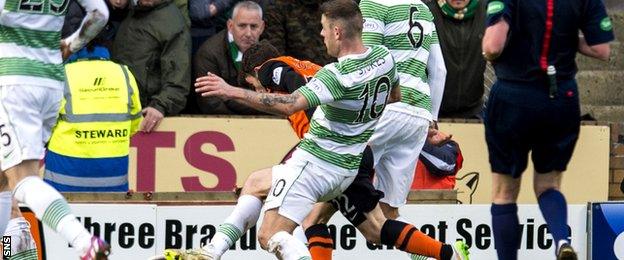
(189, 254)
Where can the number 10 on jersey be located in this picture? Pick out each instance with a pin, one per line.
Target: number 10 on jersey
(372, 109)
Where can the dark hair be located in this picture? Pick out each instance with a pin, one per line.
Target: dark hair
(253, 57)
(347, 13)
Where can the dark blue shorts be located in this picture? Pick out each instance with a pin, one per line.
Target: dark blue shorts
(520, 117)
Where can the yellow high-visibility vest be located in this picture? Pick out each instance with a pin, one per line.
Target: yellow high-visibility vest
(99, 113)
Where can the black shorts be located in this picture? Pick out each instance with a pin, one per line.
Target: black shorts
(361, 196)
(520, 117)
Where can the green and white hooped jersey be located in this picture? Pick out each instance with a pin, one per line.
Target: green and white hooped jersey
(350, 94)
(30, 35)
(406, 28)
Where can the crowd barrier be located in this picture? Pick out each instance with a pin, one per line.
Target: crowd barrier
(140, 226)
(138, 231)
(212, 156)
(129, 221)
(218, 153)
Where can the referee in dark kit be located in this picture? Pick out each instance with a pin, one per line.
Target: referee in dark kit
(534, 105)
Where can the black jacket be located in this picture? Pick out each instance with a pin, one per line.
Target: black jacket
(460, 41)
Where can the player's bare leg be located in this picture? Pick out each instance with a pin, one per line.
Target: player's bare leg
(276, 237)
(244, 216)
(52, 209)
(245, 213)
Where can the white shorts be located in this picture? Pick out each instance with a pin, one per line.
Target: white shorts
(27, 115)
(396, 144)
(298, 184)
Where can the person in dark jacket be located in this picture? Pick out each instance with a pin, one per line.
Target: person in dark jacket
(293, 27)
(154, 42)
(203, 14)
(461, 24)
(222, 55)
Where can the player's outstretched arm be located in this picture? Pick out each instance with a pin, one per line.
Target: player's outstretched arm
(92, 24)
(279, 104)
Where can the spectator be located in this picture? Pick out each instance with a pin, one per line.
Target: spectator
(88, 150)
(203, 14)
(222, 55)
(204, 17)
(293, 26)
(461, 24)
(223, 17)
(155, 44)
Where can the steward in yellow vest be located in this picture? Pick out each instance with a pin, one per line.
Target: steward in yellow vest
(88, 150)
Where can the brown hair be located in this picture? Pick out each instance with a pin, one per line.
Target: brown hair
(253, 57)
(347, 14)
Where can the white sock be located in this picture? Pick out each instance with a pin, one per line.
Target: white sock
(72, 230)
(6, 201)
(51, 208)
(244, 216)
(246, 213)
(561, 243)
(287, 247)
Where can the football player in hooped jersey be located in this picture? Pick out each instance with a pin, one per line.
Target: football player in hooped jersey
(406, 28)
(269, 73)
(351, 94)
(31, 88)
(266, 71)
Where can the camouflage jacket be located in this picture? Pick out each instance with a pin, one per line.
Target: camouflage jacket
(294, 26)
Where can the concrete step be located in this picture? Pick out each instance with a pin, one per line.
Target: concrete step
(604, 113)
(601, 88)
(615, 63)
(614, 4)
